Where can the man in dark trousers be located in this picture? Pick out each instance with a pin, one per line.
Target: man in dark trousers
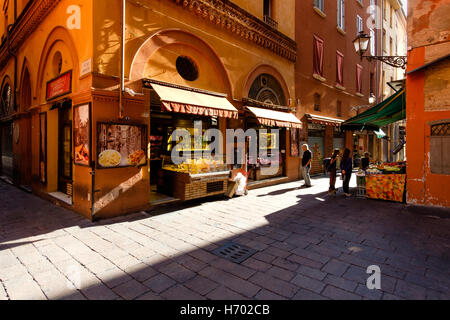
(306, 164)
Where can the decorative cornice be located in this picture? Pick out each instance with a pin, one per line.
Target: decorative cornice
(232, 18)
(31, 17)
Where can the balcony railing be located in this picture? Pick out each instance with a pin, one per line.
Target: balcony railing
(271, 22)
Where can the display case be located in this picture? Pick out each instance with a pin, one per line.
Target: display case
(194, 178)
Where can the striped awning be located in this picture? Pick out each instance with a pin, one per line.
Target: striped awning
(274, 118)
(192, 101)
(327, 121)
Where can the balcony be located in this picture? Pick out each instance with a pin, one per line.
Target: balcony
(271, 22)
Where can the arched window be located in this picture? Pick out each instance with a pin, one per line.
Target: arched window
(6, 101)
(267, 89)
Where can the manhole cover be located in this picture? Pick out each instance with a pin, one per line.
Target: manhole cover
(234, 252)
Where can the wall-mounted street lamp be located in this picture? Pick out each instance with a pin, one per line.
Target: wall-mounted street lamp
(361, 44)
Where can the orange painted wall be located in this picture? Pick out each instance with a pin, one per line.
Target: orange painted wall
(423, 186)
(428, 26)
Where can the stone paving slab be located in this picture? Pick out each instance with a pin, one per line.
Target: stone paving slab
(309, 247)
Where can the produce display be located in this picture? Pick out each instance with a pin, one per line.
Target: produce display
(387, 168)
(386, 181)
(196, 166)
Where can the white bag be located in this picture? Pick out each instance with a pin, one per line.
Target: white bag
(241, 180)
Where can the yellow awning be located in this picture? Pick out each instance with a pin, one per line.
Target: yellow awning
(275, 118)
(193, 102)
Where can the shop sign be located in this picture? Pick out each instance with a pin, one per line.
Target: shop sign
(315, 126)
(59, 86)
(82, 134)
(86, 67)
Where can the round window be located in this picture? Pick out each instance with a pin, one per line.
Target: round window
(187, 68)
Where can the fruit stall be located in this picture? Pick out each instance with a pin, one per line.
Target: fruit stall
(386, 181)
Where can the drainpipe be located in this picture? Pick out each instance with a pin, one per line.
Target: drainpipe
(122, 61)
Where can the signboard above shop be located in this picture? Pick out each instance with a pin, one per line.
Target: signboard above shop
(59, 86)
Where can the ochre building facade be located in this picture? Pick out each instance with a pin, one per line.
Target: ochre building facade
(69, 135)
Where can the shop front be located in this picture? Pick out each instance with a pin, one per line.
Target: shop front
(386, 181)
(323, 134)
(176, 110)
(275, 131)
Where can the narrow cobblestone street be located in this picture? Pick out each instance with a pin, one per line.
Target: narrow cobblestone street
(310, 246)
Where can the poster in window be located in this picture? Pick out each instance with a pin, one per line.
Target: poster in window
(43, 147)
(294, 142)
(121, 145)
(82, 134)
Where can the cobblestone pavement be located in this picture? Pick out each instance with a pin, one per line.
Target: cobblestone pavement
(309, 246)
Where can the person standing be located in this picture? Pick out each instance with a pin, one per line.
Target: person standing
(365, 162)
(346, 170)
(306, 164)
(332, 167)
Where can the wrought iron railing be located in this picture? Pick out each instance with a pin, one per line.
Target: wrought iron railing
(271, 22)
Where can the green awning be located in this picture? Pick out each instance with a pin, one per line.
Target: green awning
(386, 112)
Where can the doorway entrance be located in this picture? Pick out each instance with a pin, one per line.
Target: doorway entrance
(65, 148)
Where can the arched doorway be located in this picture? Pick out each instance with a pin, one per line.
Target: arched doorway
(6, 130)
(266, 90)
(25, 142)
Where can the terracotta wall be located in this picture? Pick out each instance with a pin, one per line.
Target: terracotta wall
(428, 26)
(310, 23)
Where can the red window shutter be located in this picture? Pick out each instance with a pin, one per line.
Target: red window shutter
(359, 70)
(339, 68)
(318, 56)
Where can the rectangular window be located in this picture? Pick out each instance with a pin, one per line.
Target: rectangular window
(385, 9)
(359, 71)
(268, 14)
(391, 15)
(339, 108)
(267, 8)
(372, 9)
(440, 148)
(372, 42)
(319, 5)
(339, 68)
(318, 56)
(359, 24)
(316, 102)
(371, 83)
(384, 41)
(341, 14)
(391, 47)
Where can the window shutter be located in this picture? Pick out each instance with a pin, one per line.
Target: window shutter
(446, 155)
(339, 68)
(436, 155)
(359, 69)
(318, 56)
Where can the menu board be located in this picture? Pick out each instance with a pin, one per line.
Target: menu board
(294, 142)
(121, 145)
(81, 134)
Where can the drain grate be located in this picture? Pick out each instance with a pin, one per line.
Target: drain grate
(234, 252)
